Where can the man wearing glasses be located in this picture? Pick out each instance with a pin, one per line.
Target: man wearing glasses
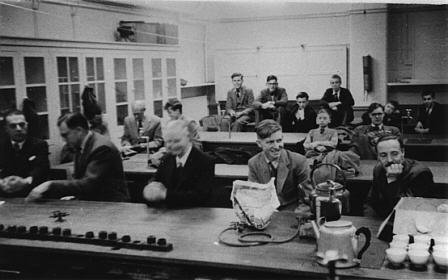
(271, 103)
(431, 118)
(24, 160)
(340, 101)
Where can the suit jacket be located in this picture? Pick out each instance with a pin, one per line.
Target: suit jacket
(243, 104)
(280, 98)
(343, 110)
(292, 170)
(192, 185)
(151, 128)
(305, 125)
(31, 160)
(98, 173)
(436, 121)
(365, 139)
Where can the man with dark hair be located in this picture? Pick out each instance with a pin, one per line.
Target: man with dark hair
(239, 105)
(24, 160)
(303, 117)
(431, 117)
(185, 175)
(396, 176)
(98, 173)
(365, 137)
(272, 101)
(340, 101)
(289, 169)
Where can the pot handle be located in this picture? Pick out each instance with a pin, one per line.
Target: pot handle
(314, 167)
(368, 236)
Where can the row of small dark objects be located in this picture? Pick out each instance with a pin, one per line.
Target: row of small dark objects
(103, 238)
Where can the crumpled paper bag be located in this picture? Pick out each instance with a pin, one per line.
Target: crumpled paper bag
(254, 203)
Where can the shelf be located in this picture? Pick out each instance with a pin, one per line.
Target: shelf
(198, 85)
(418, 83)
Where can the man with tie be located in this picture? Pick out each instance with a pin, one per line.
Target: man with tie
(140, 125)
(365, 137)
(340, 101)
(303, 117)
(24, 160)
(185, 175)
(98, 173)
(289, 169)
(239, 110)
(431, 117)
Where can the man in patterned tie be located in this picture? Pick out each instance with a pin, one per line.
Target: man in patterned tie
(340, 101)
(23, 159)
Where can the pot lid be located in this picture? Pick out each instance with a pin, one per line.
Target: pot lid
(338, 224)
(325, 186)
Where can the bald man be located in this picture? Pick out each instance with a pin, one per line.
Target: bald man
(185, 176)
(138, 126)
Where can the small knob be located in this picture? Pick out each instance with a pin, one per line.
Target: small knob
(126, 238)
(56, 231)
(43, 230)
(21, 229)
(161, 242)
(34, 229)
(151, 239)
(66, 232)
(11, 229)
(112, 235)
(102, 234)
(90, 234)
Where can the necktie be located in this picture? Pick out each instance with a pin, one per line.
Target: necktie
(322, 129)
(336, 96)
(375, 128)
(238, 94)
(272, 170)
(16, 147)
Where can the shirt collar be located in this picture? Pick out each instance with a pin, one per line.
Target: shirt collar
(381, 126)
(20, 143)
(274, 163)
(182, 160)
(84, 142)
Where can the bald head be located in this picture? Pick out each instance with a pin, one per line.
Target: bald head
(138, 109)
(177, 137)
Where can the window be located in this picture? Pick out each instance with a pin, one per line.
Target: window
(171, 77)
(68, 81)
(36, 90)
(121, 89)
(95, 78)
(7, 84)
(139, 79)
(157, 89)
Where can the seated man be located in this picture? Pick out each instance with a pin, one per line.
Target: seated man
(303, 117)
(396, 176)
(239, 110)
(272, 101)
(98, 173)
(289, 169)
(321, 140)
(366, 136)
(24, 160)
(185, 176)
(138, 126)
(392, 115)
(340, 101)
(431, 118)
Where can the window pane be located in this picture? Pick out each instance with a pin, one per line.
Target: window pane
(99, 69)
(156, 67)
(75, 98)
(137, 65)
(62, 70)
(90, 69)
(43, 127)
(121, 92)
(120, 68)
(139, 90)
(172, 87)
(74, 72)
(6, 71)
(122, 112)
(39, 97)
(64, 98)
(101, 96)
(158, 108)
(171, 67)
(7, 99)
(157, 88)
(34, 70)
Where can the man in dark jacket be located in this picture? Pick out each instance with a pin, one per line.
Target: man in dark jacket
(431, 117)
(185, 176)
(302, 116)
(98, 173)
(396, 176)
(340, 101)
(24, 160)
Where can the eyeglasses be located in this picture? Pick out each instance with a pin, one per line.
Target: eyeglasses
(377, 114)
(333, 83)
(14, 125)
(272, 84)
(427, 99)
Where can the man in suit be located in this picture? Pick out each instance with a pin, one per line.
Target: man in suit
(98, 173)
(365, 137)
(185, 176)
(239, 110)
(24, 160)
(272, 101)
(303, 117)
(289, 169)
(340, 101)
(431, 117)
(139, 125)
